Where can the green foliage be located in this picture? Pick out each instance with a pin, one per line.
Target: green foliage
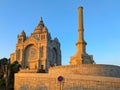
(3, 61)
(10, 70)
(2, 81)
(13, 68)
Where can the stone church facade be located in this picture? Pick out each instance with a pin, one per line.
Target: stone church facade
(38, 50)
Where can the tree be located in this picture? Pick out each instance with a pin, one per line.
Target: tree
(2, 81)
(12, 69)
(7, 71)
(3, 62)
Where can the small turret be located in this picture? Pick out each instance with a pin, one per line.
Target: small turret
(23, 34)
(22, 37)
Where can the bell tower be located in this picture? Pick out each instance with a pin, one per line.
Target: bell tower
(81, 57)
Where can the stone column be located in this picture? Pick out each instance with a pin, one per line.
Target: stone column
(80, 24)
(81, 42)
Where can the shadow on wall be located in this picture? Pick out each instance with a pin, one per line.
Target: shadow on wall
(24, 87)
(39, 87)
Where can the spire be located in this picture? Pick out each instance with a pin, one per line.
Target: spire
(41, 19)
(41, 22)
(39, 27)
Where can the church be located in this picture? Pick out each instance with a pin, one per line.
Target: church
(39, 51)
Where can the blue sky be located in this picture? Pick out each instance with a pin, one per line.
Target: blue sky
(101, 25)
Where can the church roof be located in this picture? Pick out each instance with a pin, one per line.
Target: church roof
(23, 33)
(45, 29)
(41, 23)
(39, 27)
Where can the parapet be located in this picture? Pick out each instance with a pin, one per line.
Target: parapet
(88, 69)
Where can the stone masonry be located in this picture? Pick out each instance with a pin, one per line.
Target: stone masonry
(72, 81)
(81, 74)
(81, 57)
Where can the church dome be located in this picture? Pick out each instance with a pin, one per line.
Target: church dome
(23, 33)
(40, 26)
(38, 29)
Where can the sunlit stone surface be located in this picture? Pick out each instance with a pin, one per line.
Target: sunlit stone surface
(81, 74)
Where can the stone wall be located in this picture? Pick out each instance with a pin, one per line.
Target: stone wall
(88, 69)
(76, 77)
(36, 81)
